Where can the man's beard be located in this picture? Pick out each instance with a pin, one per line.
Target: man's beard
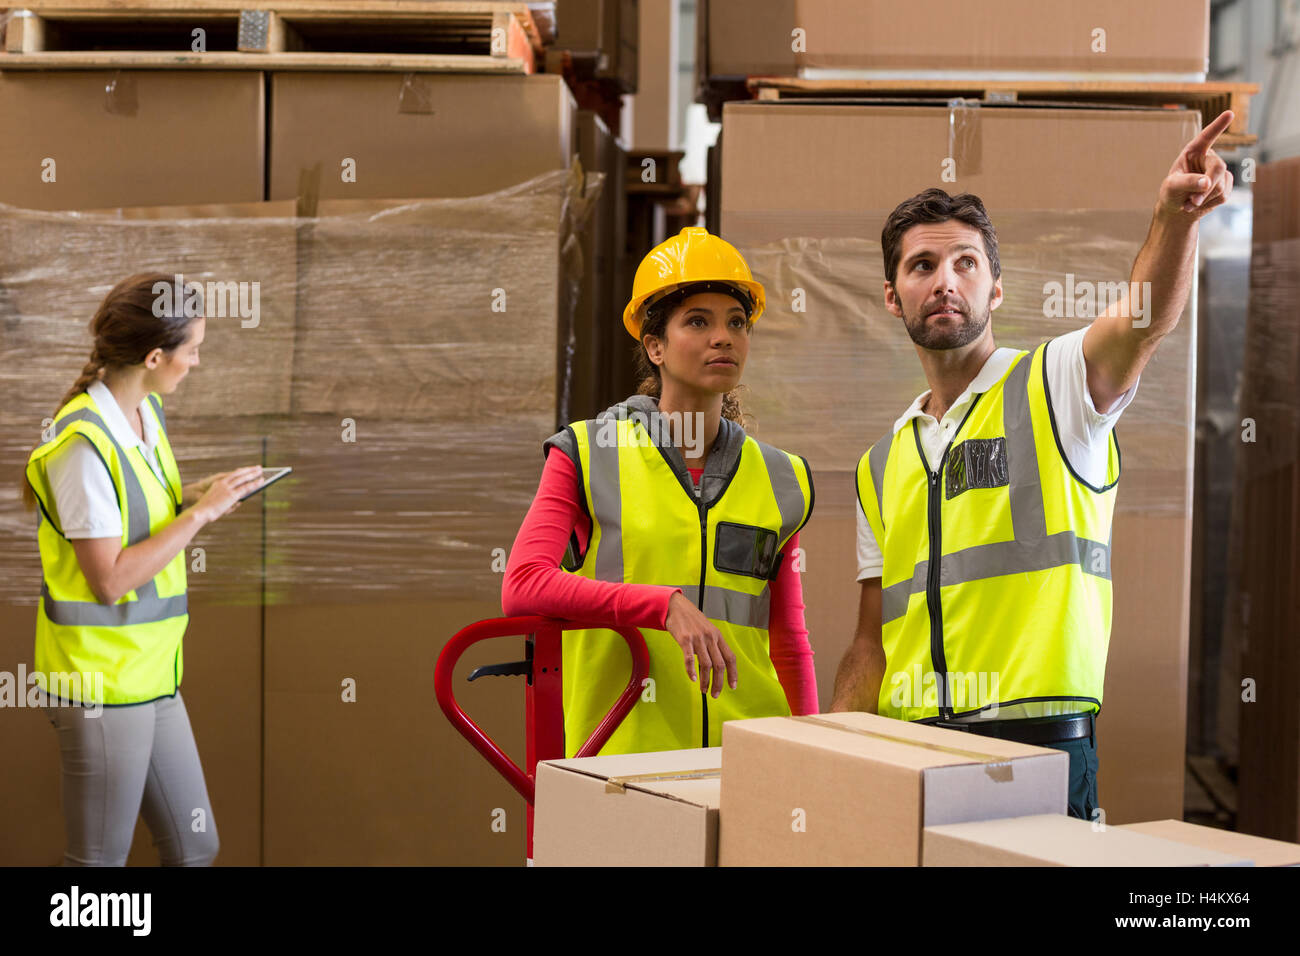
(939, 338)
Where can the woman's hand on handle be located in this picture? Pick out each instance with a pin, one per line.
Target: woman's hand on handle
(699, 638)
(223, 493)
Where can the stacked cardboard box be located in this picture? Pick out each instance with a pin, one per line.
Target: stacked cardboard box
(1262, 657)
(403, 136)
(91, 139)
(1166, 37)
(1258, 850)
(805, 190)
(173, 137)
(851, 789)
(857, 789)
(830, 790)
(1053, 840)
(656, 809)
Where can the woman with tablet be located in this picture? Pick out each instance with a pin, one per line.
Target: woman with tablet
(113, 522)
(677, 522)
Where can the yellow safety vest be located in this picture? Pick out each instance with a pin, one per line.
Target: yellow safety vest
(134, 644)
(996, 588)
(648, 527)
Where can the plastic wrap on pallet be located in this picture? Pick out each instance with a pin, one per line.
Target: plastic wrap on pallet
(407, 360)
(830, 369)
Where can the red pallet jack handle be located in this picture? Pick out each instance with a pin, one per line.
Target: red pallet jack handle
(544, 714)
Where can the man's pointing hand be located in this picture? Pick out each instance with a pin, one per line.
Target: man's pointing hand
(1199, 180)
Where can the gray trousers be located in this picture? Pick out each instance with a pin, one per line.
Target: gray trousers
(125, 762)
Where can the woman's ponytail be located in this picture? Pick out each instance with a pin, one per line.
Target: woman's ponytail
(89, 375)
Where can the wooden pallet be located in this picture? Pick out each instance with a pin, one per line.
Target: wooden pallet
(1210, 98)
(399, 35)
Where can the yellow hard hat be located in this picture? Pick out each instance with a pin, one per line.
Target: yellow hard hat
(690, 257)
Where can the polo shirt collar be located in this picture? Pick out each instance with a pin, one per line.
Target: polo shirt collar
(116, 421)
(995, 366)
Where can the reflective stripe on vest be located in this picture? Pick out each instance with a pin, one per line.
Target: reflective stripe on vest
(648, 527)
(94, 614)
(1027, 618)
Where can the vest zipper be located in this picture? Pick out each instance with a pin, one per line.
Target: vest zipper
(697, 492)
(932, 590)
(933, 570)
(704, 563)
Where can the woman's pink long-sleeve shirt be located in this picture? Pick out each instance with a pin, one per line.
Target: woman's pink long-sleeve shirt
(535, 584)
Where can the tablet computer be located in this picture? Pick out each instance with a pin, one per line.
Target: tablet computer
(269, 477)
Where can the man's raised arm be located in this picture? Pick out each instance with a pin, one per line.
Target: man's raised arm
(1120, 342)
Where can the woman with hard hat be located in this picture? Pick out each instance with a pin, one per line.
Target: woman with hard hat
(112, 527)
(676, 522)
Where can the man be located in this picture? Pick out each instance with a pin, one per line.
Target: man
(984, 516)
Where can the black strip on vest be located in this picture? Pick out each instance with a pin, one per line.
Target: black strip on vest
(1056, 435)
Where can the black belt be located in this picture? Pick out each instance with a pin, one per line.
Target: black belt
(1030, 730)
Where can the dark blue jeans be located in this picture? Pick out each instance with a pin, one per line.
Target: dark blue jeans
(1083, 773)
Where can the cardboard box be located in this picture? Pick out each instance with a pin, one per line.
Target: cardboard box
(414, 135)
(1260, 851)
(806, 208)
(655, 809)
(89, 139)
(1166, 38)
(857, 789)
(1016, 159)
(1052, 840)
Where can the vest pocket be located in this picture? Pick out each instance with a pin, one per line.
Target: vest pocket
(745, 549)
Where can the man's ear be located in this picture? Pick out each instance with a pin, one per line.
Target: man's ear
(995, 298)
(891, 300)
